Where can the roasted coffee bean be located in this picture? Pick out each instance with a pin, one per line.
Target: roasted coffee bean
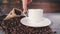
(14, 26)
(18, 12)
(2, 17)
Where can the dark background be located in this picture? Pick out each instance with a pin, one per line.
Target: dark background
(49, 6)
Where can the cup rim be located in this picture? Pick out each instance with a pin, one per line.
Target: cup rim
(35, 9)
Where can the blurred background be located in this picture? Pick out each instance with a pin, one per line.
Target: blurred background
(51, 9)
(49, 6)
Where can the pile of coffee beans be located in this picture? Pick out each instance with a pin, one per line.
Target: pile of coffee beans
(14, 26)
(17, 12)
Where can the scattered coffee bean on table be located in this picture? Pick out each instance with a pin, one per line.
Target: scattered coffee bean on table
(14, 26)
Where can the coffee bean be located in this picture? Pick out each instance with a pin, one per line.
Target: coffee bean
(14, 26)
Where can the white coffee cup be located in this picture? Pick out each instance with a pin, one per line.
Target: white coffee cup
(35, 15)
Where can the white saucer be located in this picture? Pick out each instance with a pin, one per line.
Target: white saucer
(44, 22)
